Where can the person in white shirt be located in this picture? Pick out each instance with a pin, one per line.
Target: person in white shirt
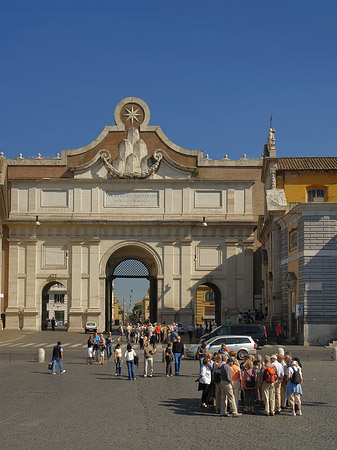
(130, 361)
(278, 383)
(205, 379)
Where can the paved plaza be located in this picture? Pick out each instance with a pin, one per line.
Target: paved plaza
(88, 407)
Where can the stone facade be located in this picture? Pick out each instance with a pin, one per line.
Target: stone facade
(130, 194)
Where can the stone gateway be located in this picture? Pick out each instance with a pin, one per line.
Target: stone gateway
(130, 194)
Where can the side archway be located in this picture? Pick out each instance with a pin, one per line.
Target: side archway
(207, 304)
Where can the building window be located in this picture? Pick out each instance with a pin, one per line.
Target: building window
(209, 296)
(316, 195)
(293, 240)
(59, 298)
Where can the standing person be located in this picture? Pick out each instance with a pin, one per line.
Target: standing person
(118, 360)
(205, 379)
(57, 358)
(279, 333)
(169, 359)
(149, 351)
(217, 381)
(190, 330)
(227, 394)
(278, 383)
(158, 333)
(228, 321)
(294, 387)
(130, 361)
(108, 343)
(178, 353)
(236, 380)
(128, 330)
(249, 383)
(101, 348)
(53, 322)
(239, 318)
(201, 353)
(269, 377)
(174, 335)
(90, 350)
(164, 333)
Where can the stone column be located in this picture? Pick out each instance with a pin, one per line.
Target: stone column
(12, 310)
(185, 303)
(75, 307)
(32, 303)
(231, 277)
(96, 306)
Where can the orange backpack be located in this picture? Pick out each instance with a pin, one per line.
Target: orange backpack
(269, 374)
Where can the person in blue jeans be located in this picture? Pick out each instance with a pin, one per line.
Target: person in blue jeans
(130, 361)
(178, 353)
(57, 358)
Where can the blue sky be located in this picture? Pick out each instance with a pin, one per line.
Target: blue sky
(211, 73)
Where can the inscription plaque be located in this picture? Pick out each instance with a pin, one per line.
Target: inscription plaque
(149, 199)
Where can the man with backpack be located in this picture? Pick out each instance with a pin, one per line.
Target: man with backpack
(269, 377)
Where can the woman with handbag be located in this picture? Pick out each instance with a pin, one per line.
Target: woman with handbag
(205, 379)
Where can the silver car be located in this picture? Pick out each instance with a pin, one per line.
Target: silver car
(242, 345)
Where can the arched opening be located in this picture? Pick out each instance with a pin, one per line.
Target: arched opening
(207, 305)
(124, 266)
(54, 305)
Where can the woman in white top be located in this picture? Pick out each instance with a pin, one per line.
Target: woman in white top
(205, 379)
(118, 360)
(129, 358)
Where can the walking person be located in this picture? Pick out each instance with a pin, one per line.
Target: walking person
(130, 361)
(190, 330)
(108, 345)
(53, 322)
(90, 350)
(178, 353)
(101, 348)
(169, 359)
(118, 360)
(57, 358)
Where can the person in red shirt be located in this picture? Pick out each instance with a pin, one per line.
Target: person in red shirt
(279, 333)
(158, 333)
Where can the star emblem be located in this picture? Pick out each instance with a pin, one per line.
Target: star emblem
(132, 114)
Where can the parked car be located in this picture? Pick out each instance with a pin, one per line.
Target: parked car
(257, 332)
(91, 327)
(242, 345)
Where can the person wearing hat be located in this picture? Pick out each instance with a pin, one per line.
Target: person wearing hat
(278, 383)
(294, 387)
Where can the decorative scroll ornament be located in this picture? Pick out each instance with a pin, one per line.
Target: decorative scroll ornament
(132, 160)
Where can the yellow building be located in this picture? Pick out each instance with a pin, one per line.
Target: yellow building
(298, 237)
(204, 305)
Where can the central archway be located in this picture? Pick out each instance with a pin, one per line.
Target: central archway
(132, 260)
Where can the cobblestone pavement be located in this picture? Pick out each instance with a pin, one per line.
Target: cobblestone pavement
(88, 407)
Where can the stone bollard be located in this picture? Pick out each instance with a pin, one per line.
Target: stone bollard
(334, 354)
(280, 351)
(41, 355)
